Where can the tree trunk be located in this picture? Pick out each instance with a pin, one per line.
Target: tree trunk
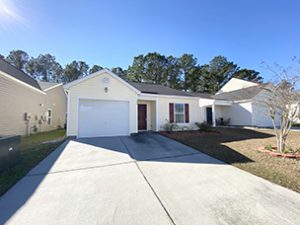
(279, 144)
(281, 140)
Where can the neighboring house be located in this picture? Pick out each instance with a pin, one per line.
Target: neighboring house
(103, 104)
(297, 119)
(241, 103)
(28, 106)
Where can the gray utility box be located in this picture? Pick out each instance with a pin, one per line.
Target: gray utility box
(9, 151)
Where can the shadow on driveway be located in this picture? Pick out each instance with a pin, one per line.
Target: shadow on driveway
(89, 153)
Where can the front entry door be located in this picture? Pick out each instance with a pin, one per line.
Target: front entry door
(209, 119)
(142, 116)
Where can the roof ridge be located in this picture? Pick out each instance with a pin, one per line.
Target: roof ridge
(146, 83)
(20, 72)
(41, 81)
(8, 63)
(188, 92)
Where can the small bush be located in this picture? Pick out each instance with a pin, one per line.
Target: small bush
(292, 150)
(203, 126)
(169, 127)
(269, 147)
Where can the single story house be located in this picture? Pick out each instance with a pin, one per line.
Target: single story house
(28, 106)
(103, 104)
(239, 103)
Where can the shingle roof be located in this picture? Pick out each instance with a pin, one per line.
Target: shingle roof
(242, 94)
(18, 74)
(162, 90)
(45, 85)
(202, 95)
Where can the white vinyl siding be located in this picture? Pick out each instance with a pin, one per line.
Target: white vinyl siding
(94, 88)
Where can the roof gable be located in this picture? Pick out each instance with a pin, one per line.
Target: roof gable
(236, 84)
(99, 73)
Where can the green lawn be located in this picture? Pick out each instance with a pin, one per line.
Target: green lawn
(33, 150)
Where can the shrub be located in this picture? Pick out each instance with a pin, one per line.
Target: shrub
(269, 147)
(289, 149)
(203, 126)
(169, 127)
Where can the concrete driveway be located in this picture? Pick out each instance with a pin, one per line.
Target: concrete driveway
(147, 179)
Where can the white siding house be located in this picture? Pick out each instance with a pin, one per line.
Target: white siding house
(103, 104)
(245, 104)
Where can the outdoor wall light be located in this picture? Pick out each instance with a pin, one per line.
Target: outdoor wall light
(42, 105)
(106, 89)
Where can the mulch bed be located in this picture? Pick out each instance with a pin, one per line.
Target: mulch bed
(278, 154)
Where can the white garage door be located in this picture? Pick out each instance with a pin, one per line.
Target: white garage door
(103, 118)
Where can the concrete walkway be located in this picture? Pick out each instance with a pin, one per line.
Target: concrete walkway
(147, 179)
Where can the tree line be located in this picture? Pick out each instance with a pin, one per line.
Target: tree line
(182, 73)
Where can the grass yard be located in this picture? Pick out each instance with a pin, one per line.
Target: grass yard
(34, 148)
(238, 148)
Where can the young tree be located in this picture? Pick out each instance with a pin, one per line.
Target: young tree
(18, 58)
(283, 103)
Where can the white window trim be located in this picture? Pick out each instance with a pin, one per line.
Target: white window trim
(49, 117)
(179, 113)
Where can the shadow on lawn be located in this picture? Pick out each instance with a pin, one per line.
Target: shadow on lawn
(213, 143)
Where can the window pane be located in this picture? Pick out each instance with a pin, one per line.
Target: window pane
(178, 108)
(179, 118)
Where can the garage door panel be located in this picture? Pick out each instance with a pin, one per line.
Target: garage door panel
(103, 118)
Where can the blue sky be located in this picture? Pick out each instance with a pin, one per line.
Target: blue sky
(111, 33)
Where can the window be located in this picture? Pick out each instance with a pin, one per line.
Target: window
(178, 113)
(49, 116)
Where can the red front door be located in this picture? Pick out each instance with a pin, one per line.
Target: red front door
(142, 116)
